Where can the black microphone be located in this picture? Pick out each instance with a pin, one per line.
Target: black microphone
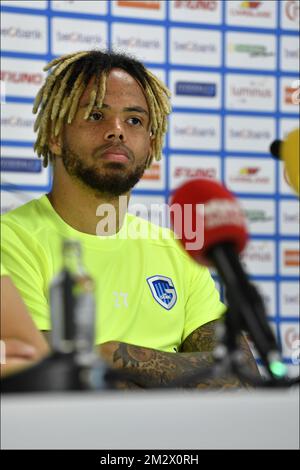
(225, 236)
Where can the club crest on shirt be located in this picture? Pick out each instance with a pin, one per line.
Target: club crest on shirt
(163, 291)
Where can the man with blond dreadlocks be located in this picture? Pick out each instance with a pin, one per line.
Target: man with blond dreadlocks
(101, 122)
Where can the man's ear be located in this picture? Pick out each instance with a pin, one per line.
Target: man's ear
(55, 145)
(150, 155)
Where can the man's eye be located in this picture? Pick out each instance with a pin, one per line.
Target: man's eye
(95, 116)
(135, 121)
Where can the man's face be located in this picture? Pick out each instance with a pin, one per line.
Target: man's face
(108, 151)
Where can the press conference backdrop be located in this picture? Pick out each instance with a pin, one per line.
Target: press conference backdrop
(233, 70)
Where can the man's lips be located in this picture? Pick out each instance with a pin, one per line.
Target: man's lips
(115, 154)
(115, 157)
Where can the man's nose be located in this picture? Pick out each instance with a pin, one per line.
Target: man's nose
(115, 131)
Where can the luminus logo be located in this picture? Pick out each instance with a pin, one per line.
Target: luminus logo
(249, 171)
(251, 5)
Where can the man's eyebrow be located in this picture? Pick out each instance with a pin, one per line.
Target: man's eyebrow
(136, 109)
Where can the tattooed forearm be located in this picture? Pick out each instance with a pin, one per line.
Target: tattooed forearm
(152, 368)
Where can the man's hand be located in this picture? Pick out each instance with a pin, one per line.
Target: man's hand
(16, 355)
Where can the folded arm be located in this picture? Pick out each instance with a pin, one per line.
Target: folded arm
(153, 368)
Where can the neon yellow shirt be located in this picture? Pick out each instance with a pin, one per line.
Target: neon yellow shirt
(148, 291)
(3, 270)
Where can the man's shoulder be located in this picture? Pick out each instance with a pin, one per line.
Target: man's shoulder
(26, 215)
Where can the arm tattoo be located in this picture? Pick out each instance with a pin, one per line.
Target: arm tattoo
(153, 368)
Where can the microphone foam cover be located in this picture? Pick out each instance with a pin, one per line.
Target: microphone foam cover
(210, 215)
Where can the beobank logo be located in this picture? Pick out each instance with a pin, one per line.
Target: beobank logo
(147, 5)
(21, 33)
(17, 121)
(289, 299)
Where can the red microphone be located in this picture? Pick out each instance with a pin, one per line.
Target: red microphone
(209, 214)
(222, 229)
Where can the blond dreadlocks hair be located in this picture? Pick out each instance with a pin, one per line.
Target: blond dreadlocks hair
(57, 100)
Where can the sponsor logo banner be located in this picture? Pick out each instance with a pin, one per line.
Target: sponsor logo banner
(154, 9)
(250, 92)
(287, 125)
(37, 4)
(260, 215)
(22, 77)
(16, 161)
(258, 14)
(249, 134)
(80, 6)
(186, 167)
(17, 122)
(195, 47)
(289, 217)
(289, 258)
(290, 341)
(250, 51)
(268, 293)
(289, 95)
(154, 177)
(10, 200)
(250, 175)
(289, 299)
(195, 89)
(290, 14)
(196, 11)
(145, 42)
(69, 35)
(259, 258)
(24, 33)
(20, 165)
(195, 131)
(289, 54)
(151, 208)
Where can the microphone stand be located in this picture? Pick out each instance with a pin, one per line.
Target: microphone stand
(246, 312)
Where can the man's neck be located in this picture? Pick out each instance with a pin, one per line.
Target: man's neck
(86, 211)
